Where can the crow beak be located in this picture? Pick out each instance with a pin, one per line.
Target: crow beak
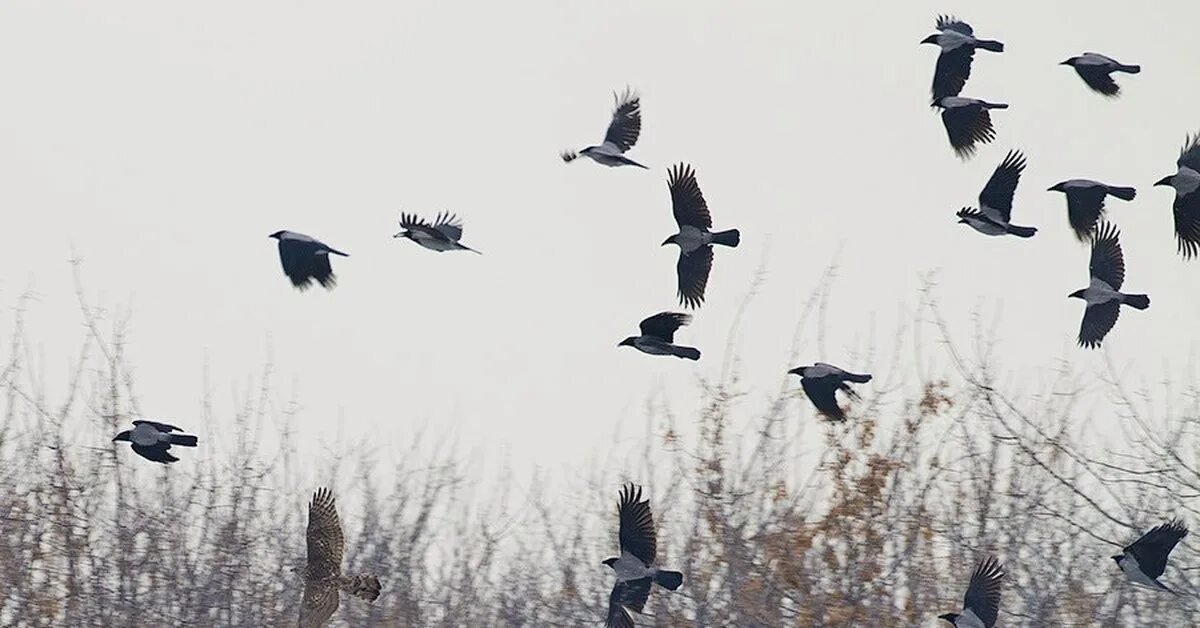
(1163, 181)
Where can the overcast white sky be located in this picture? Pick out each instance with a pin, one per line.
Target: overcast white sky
(163, 142)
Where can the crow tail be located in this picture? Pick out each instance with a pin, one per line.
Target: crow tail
(185, 440)
(669, 580)
(858, 378)
(1021, 232)
(989, 44)
(1137, 301)
(1129, 69)
(1125, 194)
(727, 238)
(687, 353)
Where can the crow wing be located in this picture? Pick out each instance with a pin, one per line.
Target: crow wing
(636, 535)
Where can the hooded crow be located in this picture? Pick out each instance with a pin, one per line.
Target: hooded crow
(1144, 561)
(1103, 294)
(622, 134)
(1187, 198)
(957, 41)
(821, 381)
(967, 123)
(658, 332)
(694, 238)
(1096, 70)
(322, 572)
(635, 567)
(442, 235)
(152, 440)
(1085, 203)
(305, 258)
(995, 201)
(981, 604)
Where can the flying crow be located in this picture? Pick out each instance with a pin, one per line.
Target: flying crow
(694, 238)
(658, 332)
(981, 604)
(1144, 561)
(995, 201)
(1103, 294)
(1187, 198)
(1085, 203)
(305, 258)
(621, 136)
(442, 235)
(967, 123)
(152, 440)
(1096, 69)
(635, 567)
(821, 381)
(958, 44)
(322, 573)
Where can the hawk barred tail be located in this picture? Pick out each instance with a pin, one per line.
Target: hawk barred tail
(364, 586)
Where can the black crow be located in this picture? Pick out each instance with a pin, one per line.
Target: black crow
(694, 238)
(958, 43)
(1144, 560)
(658, 332)
(821, 381)
(1096, 69)
(981, 604)
(635, 567)
(967, 123)
(442, 235)
(995, 201)
(1085, 203)
(621, 136)
(1187, 198)
(305, 258)
(1103, 294)
(152, 440)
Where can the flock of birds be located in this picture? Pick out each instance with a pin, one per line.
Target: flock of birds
(306, 260)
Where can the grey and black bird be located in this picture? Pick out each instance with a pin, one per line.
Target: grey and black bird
(658, 336)
(968, 123)
(1085, 202)
(957, 42)
(694, 239)
(306, 259)
(636, 567)
(1096, 70)
(1103, 294)
(996, 199)
(821, 382)
(1144, 560)
(152, 440)
(981, 604)
(1186, 182)
(443, 234)
(622, 134)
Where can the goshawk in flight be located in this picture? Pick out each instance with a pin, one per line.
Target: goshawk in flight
(152, 440)
(694, 239)
(622, 134)
(323, 573)
(635, 567)
(443, 235)
(305, 258)
(981, 604)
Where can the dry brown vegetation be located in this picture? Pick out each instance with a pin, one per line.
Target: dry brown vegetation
(877, 524)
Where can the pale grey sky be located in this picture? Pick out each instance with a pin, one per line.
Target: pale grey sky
(163, 142)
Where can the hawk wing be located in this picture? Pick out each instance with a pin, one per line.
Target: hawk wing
(636, 535)
(626, 122)
(319, 603)
(686, 200)
(324, 537)
(664, 324)
(983, 593)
